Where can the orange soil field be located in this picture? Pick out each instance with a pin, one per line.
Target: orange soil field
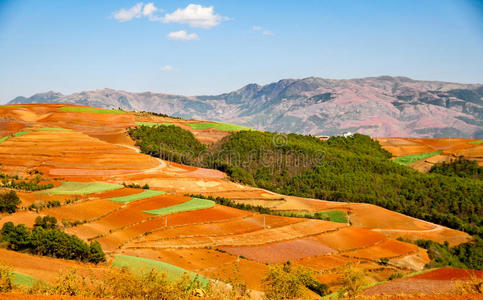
(220, 228)
(440, 281)
(281, 252)
(42, 267)
(86, 210)
(22, 217)
(387, 248)
(350, 238)
(256, 238)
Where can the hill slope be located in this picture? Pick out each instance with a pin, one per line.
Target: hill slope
(377, 106)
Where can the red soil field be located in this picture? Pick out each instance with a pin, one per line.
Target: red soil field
(220, 228)
(440, 281)
(256, 238)
(350, 238)
(85, 210)
(23, 217)
(43, 267)
(281, 252)
(387, 248)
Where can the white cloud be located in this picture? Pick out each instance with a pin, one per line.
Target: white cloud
(167, 68)
(124, 15)
(137, 11)
(182, 35)
(267, 32)
(257, 28)
(149, 9)
(195, 16)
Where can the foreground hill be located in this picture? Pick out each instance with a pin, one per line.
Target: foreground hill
(378, 106)
(153, 221)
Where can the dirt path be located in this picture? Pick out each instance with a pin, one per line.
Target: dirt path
(161, 165)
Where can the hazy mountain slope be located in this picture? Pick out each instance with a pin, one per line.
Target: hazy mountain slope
(378, 106)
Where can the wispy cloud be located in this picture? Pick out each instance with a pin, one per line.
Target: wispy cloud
(137, 11)
(182, 35)
(195, 15)
(167, 68)
(262, 30)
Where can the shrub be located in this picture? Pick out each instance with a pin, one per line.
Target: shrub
(6, 278)
(353, 280)
(287, 282)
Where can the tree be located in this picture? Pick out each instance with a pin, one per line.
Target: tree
(9, 202)
(46, 222)
(96, 254)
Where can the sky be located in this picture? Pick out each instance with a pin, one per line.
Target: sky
(211, 47)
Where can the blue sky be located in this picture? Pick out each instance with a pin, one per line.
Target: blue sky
(210, 47)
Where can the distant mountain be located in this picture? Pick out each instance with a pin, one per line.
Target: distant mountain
(378, 106)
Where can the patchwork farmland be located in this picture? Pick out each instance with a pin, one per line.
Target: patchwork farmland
(137, 207)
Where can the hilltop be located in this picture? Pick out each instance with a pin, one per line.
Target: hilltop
(377, 106)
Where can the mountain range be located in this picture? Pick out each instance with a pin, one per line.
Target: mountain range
(378, 106)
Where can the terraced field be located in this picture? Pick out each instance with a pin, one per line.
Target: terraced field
(162, 228)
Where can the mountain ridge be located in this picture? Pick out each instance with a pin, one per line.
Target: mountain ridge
(377, 106)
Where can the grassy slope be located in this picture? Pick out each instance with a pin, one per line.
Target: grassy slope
(193, 204)
(23, 279)
(409, 159)
(143, 195)
(217, 125)
(476, 142)
(77, 188)
(139, 264)
(91, 110)
(151, 124)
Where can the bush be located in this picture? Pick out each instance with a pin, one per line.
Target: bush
(287, 282)
(6, 279)
(353, 280)
(9, 202)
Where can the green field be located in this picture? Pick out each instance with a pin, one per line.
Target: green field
(409, 159)
(476, 142)
(143, 195)
(4, 139)
(151, 124)
(139, 264)
(23, 279)
(78, 188)
(91, 110)
(20, 133)
(334, 215)
(217, 125)
(193, 204)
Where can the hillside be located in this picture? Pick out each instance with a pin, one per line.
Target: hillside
(378, 106)
(144, 213)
